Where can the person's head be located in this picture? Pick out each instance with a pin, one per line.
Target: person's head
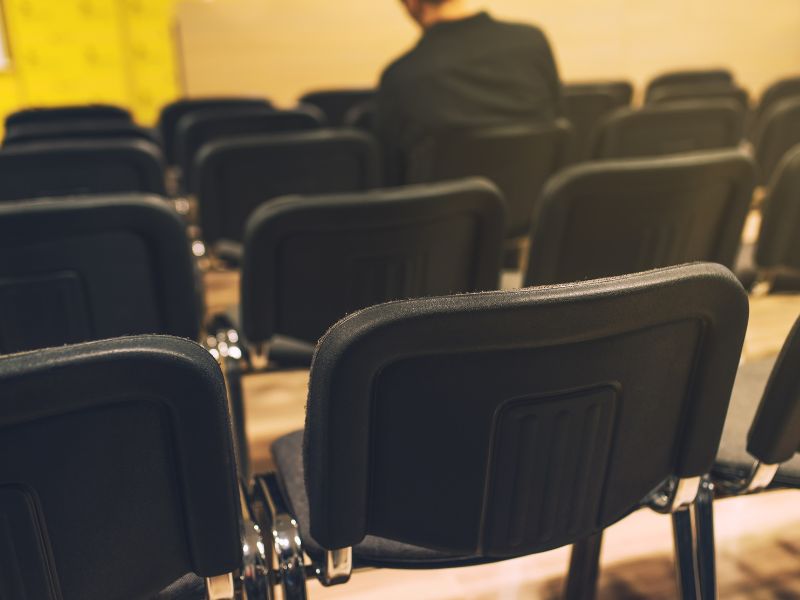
(429, 12)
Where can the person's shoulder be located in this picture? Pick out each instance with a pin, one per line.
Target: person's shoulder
(398, 70)
(519, 29)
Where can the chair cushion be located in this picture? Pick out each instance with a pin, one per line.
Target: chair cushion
(733, 459)
(188, 587)
(287, 453)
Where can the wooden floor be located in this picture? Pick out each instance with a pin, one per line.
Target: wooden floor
(758, 538)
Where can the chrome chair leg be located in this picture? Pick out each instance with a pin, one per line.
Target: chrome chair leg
(685, 558)
(704, 533)
(584, 569)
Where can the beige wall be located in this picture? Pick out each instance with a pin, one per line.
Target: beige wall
(281, 48)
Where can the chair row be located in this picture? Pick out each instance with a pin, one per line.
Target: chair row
(576, 405)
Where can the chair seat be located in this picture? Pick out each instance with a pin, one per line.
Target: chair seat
(733, 459)
(287, 452)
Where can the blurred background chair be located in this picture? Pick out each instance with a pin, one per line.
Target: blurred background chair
(336, 103)
(688, 77)
(778, 132)
(585, 105)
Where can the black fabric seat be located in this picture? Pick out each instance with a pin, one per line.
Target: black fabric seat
(91, 129)
(335, 104)
(689, 77)
(783, 89)
(700, 91)
(671, 128)
(586, 104)
(78, 167)
(779, 132)
(123, 478)
(63, 114)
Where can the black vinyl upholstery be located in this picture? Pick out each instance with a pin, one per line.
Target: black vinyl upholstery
(518, 159)
(689, 77)
(236, 175)
(201, 127)
(504, 423)
(172, 113)
(700, 91)
(670, 128)
(614, 217)
(123, 478)
(77, 269)
(778, 243)
(779, 132)
(585, 105)
(61, 114)
(77, 130)
(74, 167)
(309, 261)
(335, 104)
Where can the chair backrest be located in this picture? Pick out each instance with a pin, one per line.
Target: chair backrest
(688, 77)
(61, 114)
(615, 217)
(518, 159)
(336, 103)
(779, 132)
(778, 243)
(700, 91)
(585, 105)
(71, 167)
(77, 130)
(120, 476)
(774, 437)
(363, 116)
(309, 261)
(672, 128)
(171, 114)
(505, 423)
(79, 269)
(236, 175)
(780, 90)
(201, 127)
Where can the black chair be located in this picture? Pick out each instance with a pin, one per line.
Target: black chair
(615, 217)
(585, 105)
(123, 477)
(700, 91)
(518, 159)
(778, 91)
(201, 127)
(336, 103)
(65, 114)
(689, 77)
(234, 176)
(79, 269)
(476, 428)
(779, 132)
(171, 114)
(71, 167)
(91, 129)
(660, 129)
(363, 116)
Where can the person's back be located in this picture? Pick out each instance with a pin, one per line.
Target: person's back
(467, 71)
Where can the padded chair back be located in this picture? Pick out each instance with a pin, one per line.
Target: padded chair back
(309, 261)
(236, 175)
(615, 217)
(585, 105)
(66, 168)
(778, 243)
(518, 159)
(507, 423)
(78, 269)
(363, 116)
(335, 104)
(780, 90)
(672, 128)
(120, 475)
(779, 133)
(201, 127)
(77, 130)
(64, 114)
(700, 91)
(774, 437)
(689, 77)
(172, 113)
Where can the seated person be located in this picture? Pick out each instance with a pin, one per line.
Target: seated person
(467, 71)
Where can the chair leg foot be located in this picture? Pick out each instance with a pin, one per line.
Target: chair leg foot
(685, 557)
(704, 532)
(584, 568)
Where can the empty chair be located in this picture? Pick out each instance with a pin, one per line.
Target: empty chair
(659, 129)
(482, 427)
(585, 105)
(236, 175)
(123, 477)
(76, 130)
(363, 116)
(336, 103)
(614, 217)
(201, 127)
(78, 269)
(700, 91)
(518, 159)
(62, 114)
(780, 90)
(171, 114)
(779, 131)
(72, 167)
(689, 77)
